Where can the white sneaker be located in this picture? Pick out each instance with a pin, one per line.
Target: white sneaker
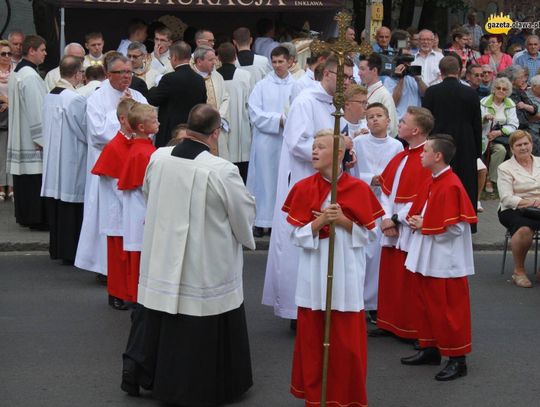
(479, 207)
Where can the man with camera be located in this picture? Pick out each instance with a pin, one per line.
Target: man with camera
(406, 84)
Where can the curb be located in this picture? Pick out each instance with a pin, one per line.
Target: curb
(261, 245)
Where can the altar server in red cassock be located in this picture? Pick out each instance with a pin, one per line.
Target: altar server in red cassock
(310, 212)
(441, 257)
(143, 122)
(400, 182)
(109, 168)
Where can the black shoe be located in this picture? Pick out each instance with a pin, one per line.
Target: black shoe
(292, 325)
(117, 303)
(129, 384)
(378, 332)
(258, 232)
(427, 356)
(454, 368)
(100, 278)
(372, 316)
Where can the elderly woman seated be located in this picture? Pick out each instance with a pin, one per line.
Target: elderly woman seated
(499, 120)
(519, 190)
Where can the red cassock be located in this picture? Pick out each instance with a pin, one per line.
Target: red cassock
(348, 349)
(444, 317)
(110, 164)
(397, 305)
(132, 177)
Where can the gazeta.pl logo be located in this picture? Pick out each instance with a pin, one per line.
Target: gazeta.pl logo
(499, 24)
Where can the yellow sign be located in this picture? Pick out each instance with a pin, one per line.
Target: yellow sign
(377, 11)
(500, 24)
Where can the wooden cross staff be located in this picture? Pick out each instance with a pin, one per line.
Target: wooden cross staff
(341, 49)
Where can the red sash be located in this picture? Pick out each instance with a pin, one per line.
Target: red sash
(132, 175)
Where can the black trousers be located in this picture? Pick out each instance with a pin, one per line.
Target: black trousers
(30, 208)
(65, 221)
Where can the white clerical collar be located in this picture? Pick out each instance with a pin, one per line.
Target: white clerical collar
(203, 74)
(338, 177)
(378, 140)
(441, 171)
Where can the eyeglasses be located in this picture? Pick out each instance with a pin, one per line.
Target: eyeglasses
(126, 72)
(133, 56)
(6, 54)
(477, 75)
(500, 88)
(486, 73)
(362, 102)
(345, 77)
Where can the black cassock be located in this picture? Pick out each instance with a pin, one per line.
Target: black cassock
(175, 95)
(456, 109)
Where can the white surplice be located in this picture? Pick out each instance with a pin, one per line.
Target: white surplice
(445, 255)
(310, 112)
(102, 126)
(198, 217)
(260, 68)
(162, 64)
(239, 140)
(373, 155)
(349, 267)
(305, 81)
(26, 91)
(51, 78)
(268, 104)
(64, 146)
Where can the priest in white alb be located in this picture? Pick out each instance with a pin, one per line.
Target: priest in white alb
(64, 160)
(268, 106)
(310, 112)
(102, 126)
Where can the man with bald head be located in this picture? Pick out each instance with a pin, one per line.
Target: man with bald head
(188, 338)
(382, 38)
(73, 50)
(176, 93)
(428, 58)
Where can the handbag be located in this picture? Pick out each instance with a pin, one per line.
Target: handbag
(531, 212)
(503, 139)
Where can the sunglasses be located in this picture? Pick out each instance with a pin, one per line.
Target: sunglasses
(6, 54)
(501, 88)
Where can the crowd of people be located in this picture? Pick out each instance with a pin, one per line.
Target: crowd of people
(153, 164)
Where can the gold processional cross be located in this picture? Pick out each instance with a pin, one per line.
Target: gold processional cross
(341, 49)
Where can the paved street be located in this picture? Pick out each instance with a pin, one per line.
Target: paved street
(61, 345)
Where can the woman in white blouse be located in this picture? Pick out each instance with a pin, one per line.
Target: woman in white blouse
(519, 188)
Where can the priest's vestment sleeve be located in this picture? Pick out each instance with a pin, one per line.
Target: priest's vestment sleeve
(32, 105)
(265, 118)
(299, 131)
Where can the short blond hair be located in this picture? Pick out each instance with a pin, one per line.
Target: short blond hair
(5, 43)
(354, 90)
(139, 113)
(124, 107)
(329, 132)
(518, 135)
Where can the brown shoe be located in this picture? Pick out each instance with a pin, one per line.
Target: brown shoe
(521, 280)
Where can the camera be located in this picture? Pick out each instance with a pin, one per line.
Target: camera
(389, 64)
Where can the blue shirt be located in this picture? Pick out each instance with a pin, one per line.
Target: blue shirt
(378, 50)
(533, 64)
(410, 93)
